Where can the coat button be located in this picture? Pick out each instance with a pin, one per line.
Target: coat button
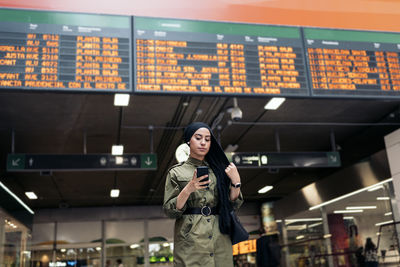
(211, 254)
(210, 237)
(208, 220)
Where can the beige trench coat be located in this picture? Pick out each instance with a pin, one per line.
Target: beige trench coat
(197, 239)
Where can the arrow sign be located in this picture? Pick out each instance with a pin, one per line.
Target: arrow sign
(333, 158)
(16, 162)
(148, 161)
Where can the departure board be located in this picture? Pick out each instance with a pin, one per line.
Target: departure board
(208, 58)
(64, 51)
(347, 63)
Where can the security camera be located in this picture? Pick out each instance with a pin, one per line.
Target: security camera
(236, 114)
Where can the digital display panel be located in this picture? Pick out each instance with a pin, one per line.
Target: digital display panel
(64, 51)
(353, 63)
(245, 247)
(181, 56)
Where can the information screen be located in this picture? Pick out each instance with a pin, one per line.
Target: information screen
(181, 56)
(64, 51)
(353, 63)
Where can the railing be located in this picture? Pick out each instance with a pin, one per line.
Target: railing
(380, 232)
(386, 258)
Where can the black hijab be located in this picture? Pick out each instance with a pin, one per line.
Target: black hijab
(218, 161)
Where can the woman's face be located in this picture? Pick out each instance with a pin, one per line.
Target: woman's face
(200, 143)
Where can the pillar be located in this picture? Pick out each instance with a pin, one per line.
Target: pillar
(392, 143)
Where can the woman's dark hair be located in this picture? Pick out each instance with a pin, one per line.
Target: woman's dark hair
(218, 161)
(369, 245)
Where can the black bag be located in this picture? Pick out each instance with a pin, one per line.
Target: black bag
(238, 233)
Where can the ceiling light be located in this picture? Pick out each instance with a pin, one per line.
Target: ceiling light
(296, 227)
(388, 213)
(114, 193)
(133, 246)
(327, 235)
(383, 198)
(347, 211)
(360, 207)
(274, 103)
(375, 188)
(348, 217)
(349, 194)
(16, 198)
(98, 248)
(315, 224)
(289, 221)
(299, 237)
(166, 245)
(121, 100)
(119, 160)
(117, 150)
(381, 223)
(31, 195)
(265, 189)
(63, 250)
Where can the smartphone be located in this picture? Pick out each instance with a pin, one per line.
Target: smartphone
(202, 170)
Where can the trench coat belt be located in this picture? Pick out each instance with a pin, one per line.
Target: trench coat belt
(205, 211)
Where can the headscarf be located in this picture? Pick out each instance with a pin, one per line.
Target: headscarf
(218, 161)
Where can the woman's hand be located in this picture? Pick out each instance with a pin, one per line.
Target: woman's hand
(191, 187)
(195, 183)
(232, 173)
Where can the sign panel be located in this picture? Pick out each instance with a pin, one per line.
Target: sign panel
(16, 162)
(148, 161)
(209, 58)
(245, 247)
(346, 63)
(64, 51)
(80, 162)
(285, 159)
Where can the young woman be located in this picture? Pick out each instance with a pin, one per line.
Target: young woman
(371, 256)
(201, 208)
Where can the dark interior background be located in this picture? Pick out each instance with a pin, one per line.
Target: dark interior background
(50, 123)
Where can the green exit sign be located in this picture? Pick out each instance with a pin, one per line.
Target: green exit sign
(148, 161)
(16, 162)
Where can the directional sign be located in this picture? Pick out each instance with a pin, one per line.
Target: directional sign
(80, 162)
(16, 162)
(148, 161)
(285, 159)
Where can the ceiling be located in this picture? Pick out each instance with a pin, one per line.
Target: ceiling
(362, 199)
(57, 123)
